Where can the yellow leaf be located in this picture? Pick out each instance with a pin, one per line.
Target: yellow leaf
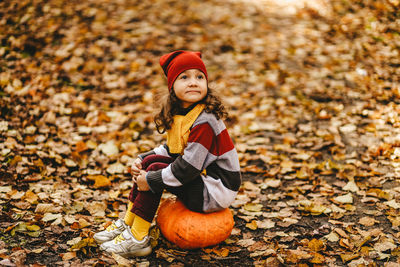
(318, 259)
(33, 227)
(348, 256)
(247, 185)
(252, 225)
(253, 207)
(31, 197)
(34, 234)
(303, 173)
(83, 223)
(314, 208)
(223, 252)
(316, 245)
(365, 251)
(87, 242)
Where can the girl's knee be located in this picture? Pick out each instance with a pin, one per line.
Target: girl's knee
(155, 166)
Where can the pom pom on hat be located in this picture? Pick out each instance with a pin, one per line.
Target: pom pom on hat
(177, 62)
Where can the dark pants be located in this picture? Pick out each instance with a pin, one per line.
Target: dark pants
(145, 203)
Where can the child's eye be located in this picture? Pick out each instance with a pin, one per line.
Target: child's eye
(200, 77)
(183, 77)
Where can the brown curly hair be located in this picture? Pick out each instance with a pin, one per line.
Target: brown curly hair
(165, 117)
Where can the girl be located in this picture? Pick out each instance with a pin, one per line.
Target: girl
(198, 164)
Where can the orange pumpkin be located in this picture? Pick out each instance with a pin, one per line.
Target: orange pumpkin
(188, 229)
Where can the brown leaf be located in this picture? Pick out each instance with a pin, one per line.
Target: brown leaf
(367, 221)
(68, 256)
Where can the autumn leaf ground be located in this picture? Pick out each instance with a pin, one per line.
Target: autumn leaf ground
(314, 112)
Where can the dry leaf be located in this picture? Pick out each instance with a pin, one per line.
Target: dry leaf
(345, 199)
(100, 181)
(316, 245)
(69, 256)
(367, 221)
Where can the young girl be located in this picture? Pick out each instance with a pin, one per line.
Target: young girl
(198, 164)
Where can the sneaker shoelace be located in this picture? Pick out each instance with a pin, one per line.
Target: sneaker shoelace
(119, 239)
(111, 227)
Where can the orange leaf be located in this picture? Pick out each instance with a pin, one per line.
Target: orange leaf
(99, 181)
(81, 146)
(31, 197)
(318, 259)
(348, 257)
(69, 255)
(316, 245)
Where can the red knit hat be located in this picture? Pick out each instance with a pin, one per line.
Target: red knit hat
(177, 62)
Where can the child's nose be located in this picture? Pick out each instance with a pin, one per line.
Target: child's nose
(193, 81)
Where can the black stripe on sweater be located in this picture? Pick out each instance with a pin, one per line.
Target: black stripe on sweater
(184, 171)
(230, 179)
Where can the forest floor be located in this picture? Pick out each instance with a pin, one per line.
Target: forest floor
(314, 111)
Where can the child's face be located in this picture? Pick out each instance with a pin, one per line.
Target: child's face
(190, 87)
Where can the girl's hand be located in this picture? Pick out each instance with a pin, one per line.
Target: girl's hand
(141, 182)
(136, 167)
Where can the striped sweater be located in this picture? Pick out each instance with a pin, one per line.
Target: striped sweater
(209, 148)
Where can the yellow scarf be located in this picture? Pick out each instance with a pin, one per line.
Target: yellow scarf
(178, 135)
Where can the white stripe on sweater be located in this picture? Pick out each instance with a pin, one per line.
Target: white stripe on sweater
(169, 178)
(222, 195)
(160, 150)
(198, 156)
(228, 161)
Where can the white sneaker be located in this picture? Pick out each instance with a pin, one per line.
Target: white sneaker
(111, 232)
(127, 246)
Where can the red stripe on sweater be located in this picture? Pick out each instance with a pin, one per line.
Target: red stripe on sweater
(217, 145)
(202, 134)
(224, 144)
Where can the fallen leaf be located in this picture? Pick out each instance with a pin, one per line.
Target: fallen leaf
(100, 181)
(316, 245)
(51, 217)
(116, 168)
(384, 246)
(252, 225)
(43, 208)
(367, 221)
(345, 199)
(253, 207)
(265, 224)
(97, 209)
(68, 256)
(351, 186)
(109, 148)
(393, 204)
(348, 256)
(332, 237)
